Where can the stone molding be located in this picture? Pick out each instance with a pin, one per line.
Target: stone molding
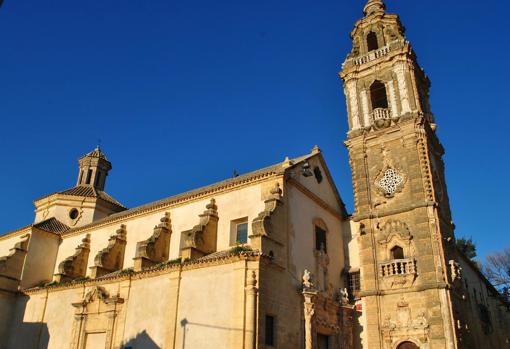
(75, 266)
(202, 239)
(111, 258)
(155, 249)
(96, 312)
(255, 256)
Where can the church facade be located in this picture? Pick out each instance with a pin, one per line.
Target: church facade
(269, 259)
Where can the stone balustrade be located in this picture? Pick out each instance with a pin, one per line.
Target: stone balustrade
(381, 114)
(397, 267)
(372, 55)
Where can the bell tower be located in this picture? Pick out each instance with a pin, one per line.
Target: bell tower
(406, 240)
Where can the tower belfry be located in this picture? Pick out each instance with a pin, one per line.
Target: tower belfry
(94, 168)
(406, 243)
(87, 201)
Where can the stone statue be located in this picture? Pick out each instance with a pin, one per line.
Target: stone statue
(307, 279)
(344, 296)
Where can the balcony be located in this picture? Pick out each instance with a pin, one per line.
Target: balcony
(372, 55)
(376, 54)
(397, 267)
(381, 114)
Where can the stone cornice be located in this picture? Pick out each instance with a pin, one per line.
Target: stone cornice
(383, 213)
(151, 272)
(418, 288)
(17, 232)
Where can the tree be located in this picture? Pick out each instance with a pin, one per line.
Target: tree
(497, 270)
(467, 246)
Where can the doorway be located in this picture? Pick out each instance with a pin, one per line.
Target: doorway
(322, 341)
(408, 345)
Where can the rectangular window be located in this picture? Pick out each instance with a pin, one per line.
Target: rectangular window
(320, 239)
(242, 233)
(355, 284)
(270, 323)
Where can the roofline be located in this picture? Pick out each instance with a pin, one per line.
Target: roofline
(333, 184)
(481, 275)
(119, 205)
(19, 231)
(277, 170)
(261, 175)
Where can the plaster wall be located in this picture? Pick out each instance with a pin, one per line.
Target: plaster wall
(325, 190)
(7, 302)
(40, 259)
(150, 310)
(8, 241)
(60, 208)
(303, 211)
(206, 308)
(353, 245)
(215, 321)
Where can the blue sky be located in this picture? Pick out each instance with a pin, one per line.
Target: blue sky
(181, 93)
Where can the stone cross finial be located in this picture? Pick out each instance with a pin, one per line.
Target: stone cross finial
(374, 6)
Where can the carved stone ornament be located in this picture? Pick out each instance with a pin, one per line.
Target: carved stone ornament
(95, 313)
(201, 240)
(261, 225)
(394, 230)
(155, 249)
(75, 266)
(405, 327)
(111, 258)
(390, 182)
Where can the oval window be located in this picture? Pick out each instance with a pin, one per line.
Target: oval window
(73, 214)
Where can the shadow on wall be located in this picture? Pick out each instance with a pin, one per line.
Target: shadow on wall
(186, 325)
(141, 341)
(25, 334)
(29, 335)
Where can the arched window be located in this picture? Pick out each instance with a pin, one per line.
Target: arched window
(407, 345)
(397, 252)
(372, 42)
(378, 95)
(89, 177)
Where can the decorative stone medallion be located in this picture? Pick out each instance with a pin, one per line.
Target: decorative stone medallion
(390, 182)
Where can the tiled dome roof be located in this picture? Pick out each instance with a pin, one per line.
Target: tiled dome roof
(96, 153)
